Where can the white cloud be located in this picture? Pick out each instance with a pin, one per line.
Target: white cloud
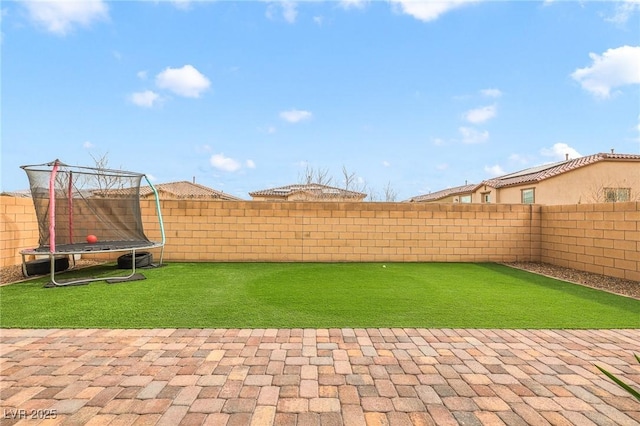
(295, 115)
(559, 151)
(491, 93)
(471, 135)
(270, 130)
(517, 158)
(624, 10)
(480, 115)
(289, 10)
(353, 4)
(385, 163)
(62, 16)
(250, 164)
(3, 13)
(178, 4)
(182, 4)
(637, 129)
(438, 141)
(319, 20)
(220, 162)
(87, 145)
(614, 68)
(146, 99)
(494, 170)
(142, 75)
(186, 81)
(428, 10)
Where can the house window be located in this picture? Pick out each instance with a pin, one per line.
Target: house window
(486, 197)
(617, 195)
(465, 199)
(528, 196)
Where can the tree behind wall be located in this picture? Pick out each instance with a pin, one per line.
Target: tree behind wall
(609, 190)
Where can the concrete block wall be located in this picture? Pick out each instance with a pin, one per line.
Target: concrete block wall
(346, 232)
(599, 238)
(18, 229)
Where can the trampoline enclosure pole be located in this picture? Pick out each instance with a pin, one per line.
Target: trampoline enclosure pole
(155, 193)
(70, 201)
(52, 208)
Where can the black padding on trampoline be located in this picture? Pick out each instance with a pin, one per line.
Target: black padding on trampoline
(99, 246)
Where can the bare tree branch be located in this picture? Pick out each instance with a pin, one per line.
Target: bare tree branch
(608, 190)
(390, 194)
(349, 179)
(318, 176)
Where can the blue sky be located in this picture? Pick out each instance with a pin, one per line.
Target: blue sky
(245, 96)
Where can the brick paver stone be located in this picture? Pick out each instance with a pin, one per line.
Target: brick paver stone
(387, 376)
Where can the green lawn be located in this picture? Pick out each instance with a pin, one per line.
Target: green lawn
(317, 295)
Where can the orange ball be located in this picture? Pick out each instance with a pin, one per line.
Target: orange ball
(92, 239)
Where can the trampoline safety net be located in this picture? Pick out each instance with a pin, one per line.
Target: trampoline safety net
(73, 202)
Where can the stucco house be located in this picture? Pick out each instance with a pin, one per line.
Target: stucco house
(597, 178)
(307, 192)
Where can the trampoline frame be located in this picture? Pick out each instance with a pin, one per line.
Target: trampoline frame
(103, 247)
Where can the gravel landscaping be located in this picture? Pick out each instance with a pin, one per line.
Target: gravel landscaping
(602, 282)
(12, 274)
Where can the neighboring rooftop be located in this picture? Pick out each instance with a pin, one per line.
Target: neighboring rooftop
(546, 171)
(186, 189)
(314, 190)
(22, 193)
(527, 176)
(439, 195)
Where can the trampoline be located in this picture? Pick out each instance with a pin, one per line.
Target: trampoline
(75, 202)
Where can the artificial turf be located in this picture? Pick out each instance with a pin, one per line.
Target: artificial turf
(317, 295)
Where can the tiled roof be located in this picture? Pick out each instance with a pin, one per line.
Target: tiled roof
(186, 189)
(530, 175)
(23, 193)
(319, 191)
(438, 195)
(539, 173)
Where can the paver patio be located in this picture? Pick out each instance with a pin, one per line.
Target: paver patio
(317, 377)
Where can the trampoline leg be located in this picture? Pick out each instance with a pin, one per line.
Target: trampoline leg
(24, 266)
(90, 279)
(133, 264)
(52, 271)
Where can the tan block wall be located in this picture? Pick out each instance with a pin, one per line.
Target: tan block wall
(600, 238)
(18, 229)
(345, 232)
